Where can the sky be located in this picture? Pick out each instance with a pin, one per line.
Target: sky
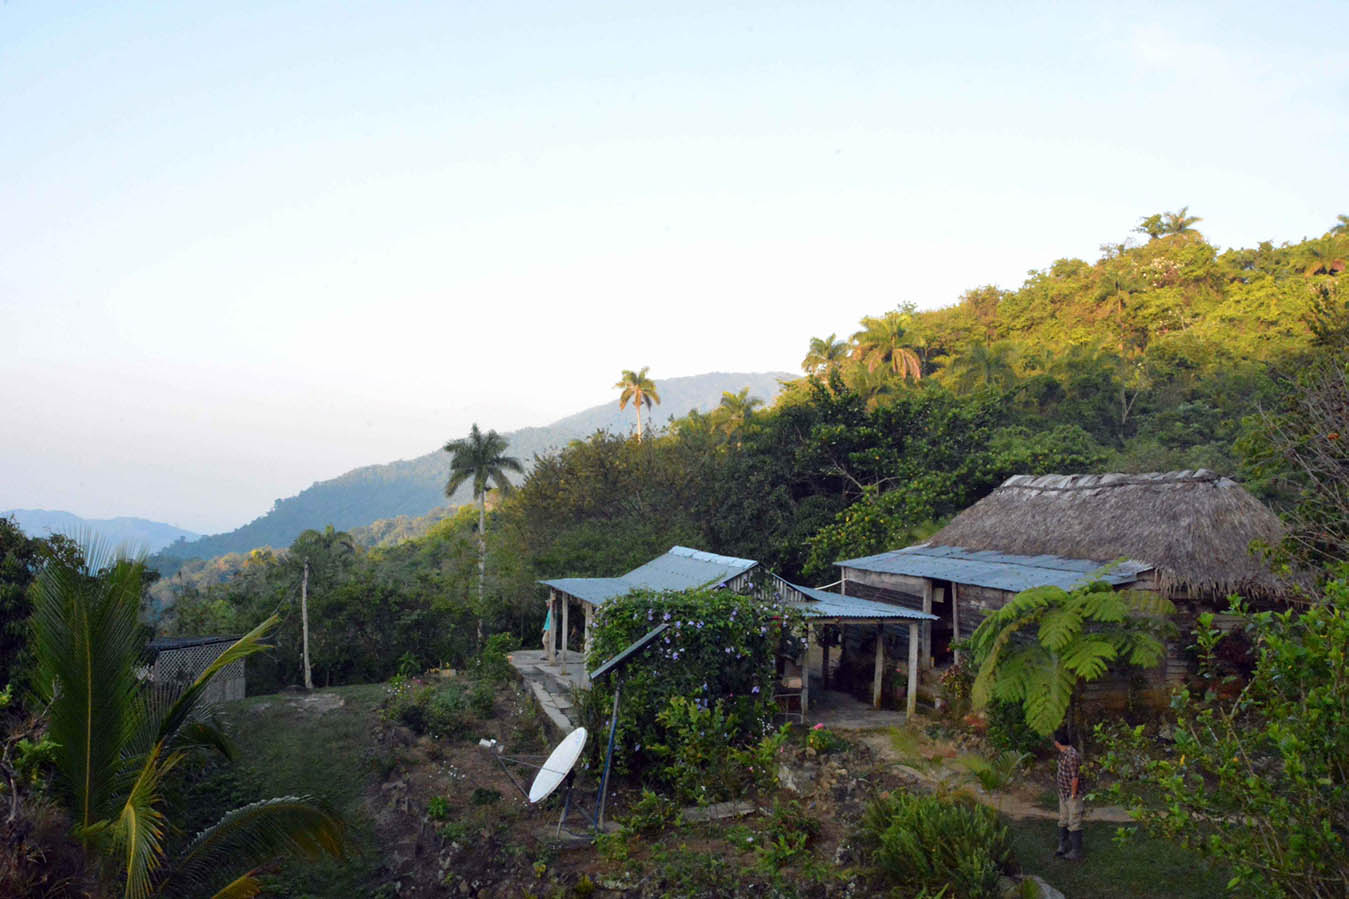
(248, 246)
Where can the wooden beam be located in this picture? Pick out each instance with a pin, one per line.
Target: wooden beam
(880, 667)
(912, 705)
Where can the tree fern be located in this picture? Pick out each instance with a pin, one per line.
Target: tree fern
(1045, 641)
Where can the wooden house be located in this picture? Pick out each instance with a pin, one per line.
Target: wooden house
(1187, 535)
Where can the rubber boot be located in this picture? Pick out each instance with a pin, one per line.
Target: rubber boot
(1063, 843)
(1075, 851)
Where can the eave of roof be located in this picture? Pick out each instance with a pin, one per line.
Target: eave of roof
(999, 571)
(826, 604)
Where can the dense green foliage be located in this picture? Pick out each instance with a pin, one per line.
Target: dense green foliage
(933, 843)
(1261, 780)
(702, 689)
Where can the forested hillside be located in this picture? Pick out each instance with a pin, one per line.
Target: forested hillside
(413, 487)
(1162, 354)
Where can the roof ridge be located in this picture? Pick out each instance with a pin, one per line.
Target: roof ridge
(1064, 482)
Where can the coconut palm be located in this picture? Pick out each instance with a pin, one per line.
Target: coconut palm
(483, 458)
(118, 738)
(825, 353)
(882, 343)
(637, 389)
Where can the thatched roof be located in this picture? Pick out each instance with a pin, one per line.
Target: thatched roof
(1194, 527)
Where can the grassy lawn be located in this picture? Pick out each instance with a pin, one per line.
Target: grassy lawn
(1141, 868)
(285, 750)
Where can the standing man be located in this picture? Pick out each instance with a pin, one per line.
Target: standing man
(1069, 781)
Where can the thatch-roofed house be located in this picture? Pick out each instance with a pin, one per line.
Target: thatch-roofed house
(1185, 534)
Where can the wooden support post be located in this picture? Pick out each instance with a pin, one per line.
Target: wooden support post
(587, 640)
(825, 653)
(566, 608)
(927, 631)
(550, 644)
(880, 667)
(805, 676)
(912, 705)
(955, 618)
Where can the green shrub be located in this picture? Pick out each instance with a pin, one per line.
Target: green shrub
(492, 663)
(718, 654)
(823, 740)
(932, 843)
(435, 710)
(651, 814)
(700, 760)
(437, 809)
(482, 699)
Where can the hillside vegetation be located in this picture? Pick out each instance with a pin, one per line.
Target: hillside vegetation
(1157, 356)
(412, 488)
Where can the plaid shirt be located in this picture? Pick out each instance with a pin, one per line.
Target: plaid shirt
(1070, 768)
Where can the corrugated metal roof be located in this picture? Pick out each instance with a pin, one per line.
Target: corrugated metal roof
(594, 590)
(684, 569)
(679, 569)
(824, 604)
(1000, 571)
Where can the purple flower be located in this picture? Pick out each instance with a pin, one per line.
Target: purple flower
(756, 689)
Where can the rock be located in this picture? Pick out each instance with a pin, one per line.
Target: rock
(1045, 890)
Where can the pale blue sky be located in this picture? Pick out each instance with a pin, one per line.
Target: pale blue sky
(247, 246)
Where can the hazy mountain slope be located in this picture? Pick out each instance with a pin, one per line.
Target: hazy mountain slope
(136, 534)
(412, 487)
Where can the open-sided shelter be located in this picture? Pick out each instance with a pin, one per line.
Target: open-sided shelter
(679, 569)
(1185, 534)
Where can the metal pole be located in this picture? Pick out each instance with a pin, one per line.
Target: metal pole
(608, 758)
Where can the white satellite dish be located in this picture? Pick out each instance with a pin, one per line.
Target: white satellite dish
(558, 766)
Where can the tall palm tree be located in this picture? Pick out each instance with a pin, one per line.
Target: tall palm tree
(117, 739)
(637, 389)
(825, 353)
(481, 457)
(737, 409)
(882, 343)
(1180, 221)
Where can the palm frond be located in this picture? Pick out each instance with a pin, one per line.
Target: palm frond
(137, 834)
(245, 887)
(254, 834)
(87, 641)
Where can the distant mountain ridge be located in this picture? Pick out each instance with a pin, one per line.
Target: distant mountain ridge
(413, 487)
(136, 534)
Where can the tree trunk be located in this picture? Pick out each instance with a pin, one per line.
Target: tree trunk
(482, 559)
(638, 407)
(304, 624)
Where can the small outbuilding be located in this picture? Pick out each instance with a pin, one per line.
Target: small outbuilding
(179, 661)
(678, 569)
(1187, 535)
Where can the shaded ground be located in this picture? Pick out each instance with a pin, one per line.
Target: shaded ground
(441, 817)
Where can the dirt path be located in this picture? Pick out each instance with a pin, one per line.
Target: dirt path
(1006, 802)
